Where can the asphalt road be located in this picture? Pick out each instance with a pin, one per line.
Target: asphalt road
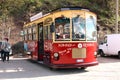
(23, 69)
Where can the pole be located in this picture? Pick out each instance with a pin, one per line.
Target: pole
(9, 31)
(116, 26)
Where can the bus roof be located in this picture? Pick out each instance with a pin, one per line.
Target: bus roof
(61, 9)
(70, 8)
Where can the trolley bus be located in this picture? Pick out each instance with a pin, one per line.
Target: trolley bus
(63, 38)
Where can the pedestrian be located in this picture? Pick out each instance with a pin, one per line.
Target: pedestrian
(25, 46)
(5, 50)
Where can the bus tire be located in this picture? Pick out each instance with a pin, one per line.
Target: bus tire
(51, 68)
(83, 68)
(119, 54)
(101, 53)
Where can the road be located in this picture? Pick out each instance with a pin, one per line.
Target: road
(23, 69)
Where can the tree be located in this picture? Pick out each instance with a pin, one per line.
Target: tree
(22, 10)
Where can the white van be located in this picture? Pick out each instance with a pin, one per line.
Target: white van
(110, 46)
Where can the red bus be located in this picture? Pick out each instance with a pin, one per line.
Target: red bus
(64, 38)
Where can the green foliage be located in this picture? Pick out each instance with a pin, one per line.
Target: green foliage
(21, 10)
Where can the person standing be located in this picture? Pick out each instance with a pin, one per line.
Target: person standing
(5, 49)
(25, 46)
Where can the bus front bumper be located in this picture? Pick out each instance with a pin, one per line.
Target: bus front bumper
(74, 65)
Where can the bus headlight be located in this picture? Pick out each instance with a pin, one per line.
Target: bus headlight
(56, 56)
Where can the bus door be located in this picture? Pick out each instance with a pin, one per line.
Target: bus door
(40, 42)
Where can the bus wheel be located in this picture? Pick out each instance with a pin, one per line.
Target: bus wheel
(53, 68)
(101, 53)
(83, 68)
(119, 55)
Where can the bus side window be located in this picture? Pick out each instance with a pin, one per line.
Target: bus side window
(49, 33)
(45, 32)
(34, 33)
(25, 34)
(30, 33)
(52, 28)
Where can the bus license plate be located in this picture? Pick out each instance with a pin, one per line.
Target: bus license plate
(79, 60)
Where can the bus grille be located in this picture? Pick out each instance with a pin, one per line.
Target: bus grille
(79, 53)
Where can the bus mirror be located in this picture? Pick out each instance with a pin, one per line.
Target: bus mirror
(52, 28)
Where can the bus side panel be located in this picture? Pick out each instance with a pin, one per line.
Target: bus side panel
(33, 48)
(48, 45)
(48, 49)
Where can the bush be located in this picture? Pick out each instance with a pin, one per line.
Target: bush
(18, 48)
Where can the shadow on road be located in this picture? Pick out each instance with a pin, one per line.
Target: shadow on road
(21, 68)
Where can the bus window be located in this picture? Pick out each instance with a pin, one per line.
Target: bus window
(30, 37)
(25, 37)
(34, 29)
(30, 33)
(49, 33)
(34, 33)
(29, 30)
(62, 28)
(34, 36)
(25, 31)
(78, 31)
(45, 32)
(91, 28)
(25, 34)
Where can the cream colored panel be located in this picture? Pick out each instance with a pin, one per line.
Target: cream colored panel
(79, 53)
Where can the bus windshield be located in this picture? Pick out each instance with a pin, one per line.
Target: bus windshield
(62, 28)
(91, 28)
(82, 28)
(78, 28)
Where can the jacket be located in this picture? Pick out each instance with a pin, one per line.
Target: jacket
(5, 46)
